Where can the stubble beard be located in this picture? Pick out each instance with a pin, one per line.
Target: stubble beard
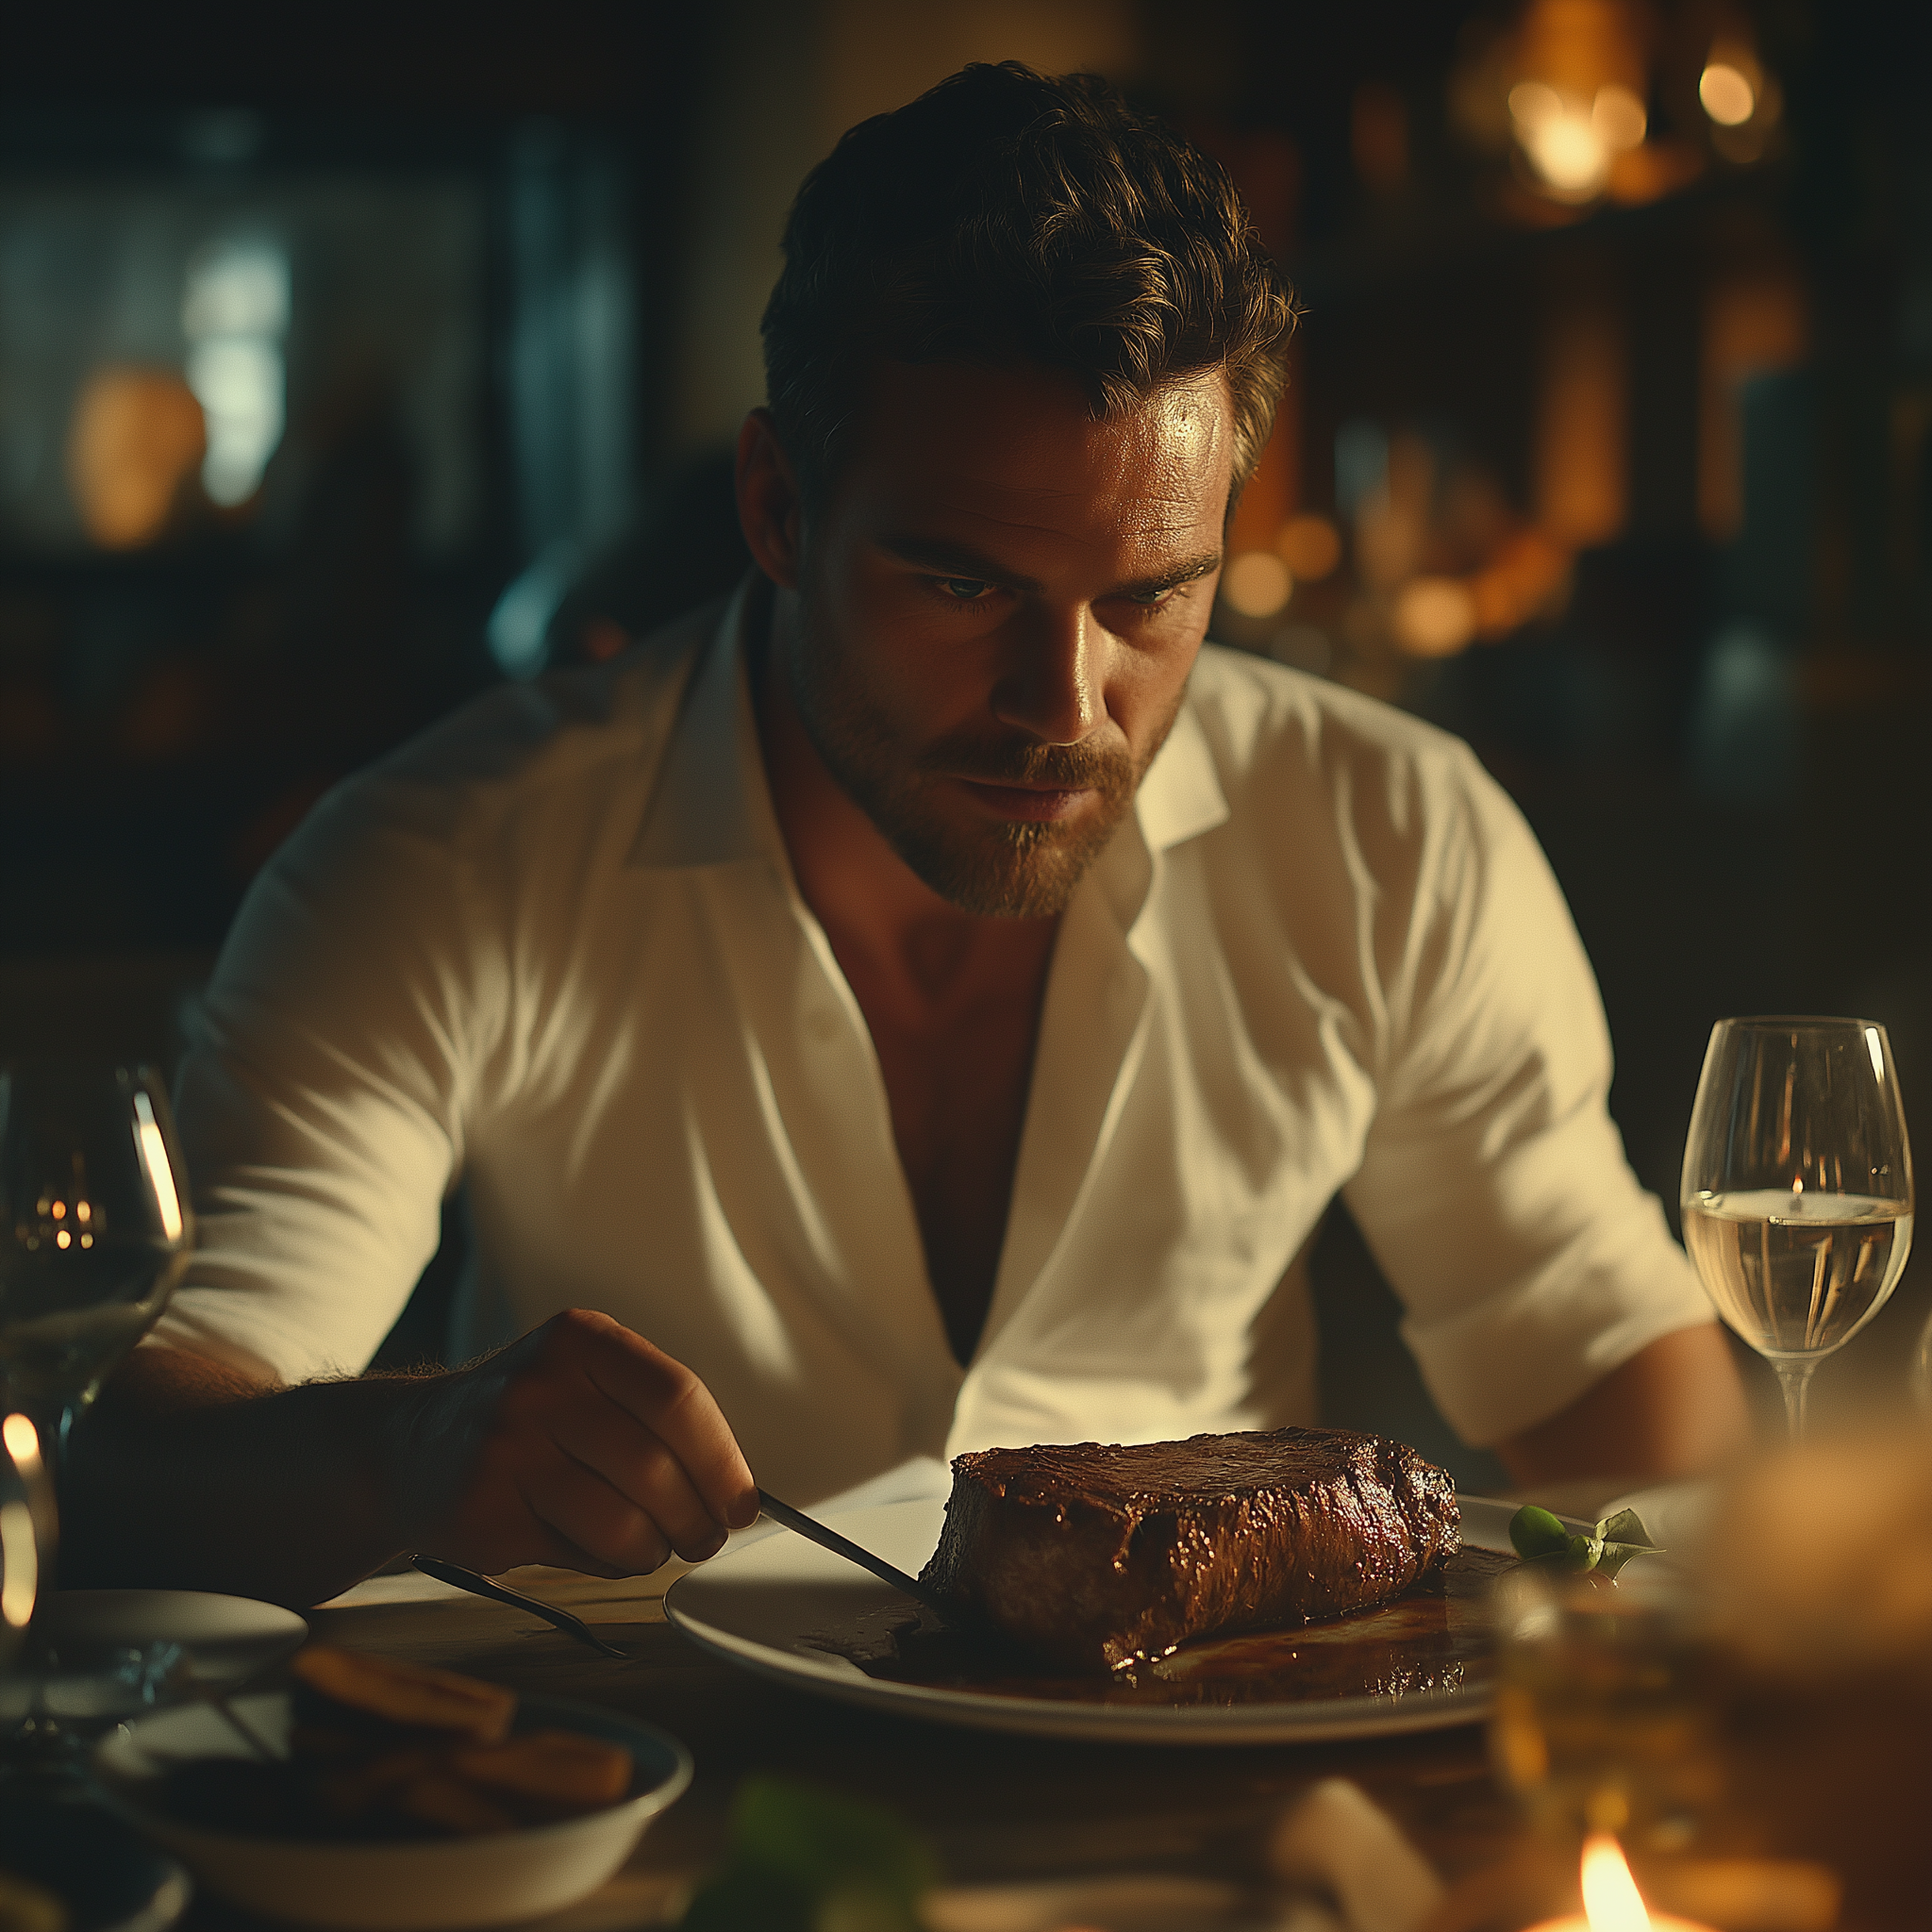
(995, 869)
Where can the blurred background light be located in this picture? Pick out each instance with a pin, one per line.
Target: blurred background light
(1256, 584)
(137, 436)
(235, 313)
(1435, 617)
(1619, 117)
(1728, 97)
(1311, 548)
(519, 625)
(1560, 136)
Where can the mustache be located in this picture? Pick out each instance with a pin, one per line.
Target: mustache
(1107, 769)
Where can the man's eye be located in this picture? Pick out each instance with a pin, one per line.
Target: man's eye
(964, 589)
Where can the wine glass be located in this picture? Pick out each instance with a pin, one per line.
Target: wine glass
(95, 1230)
(1797, 1192)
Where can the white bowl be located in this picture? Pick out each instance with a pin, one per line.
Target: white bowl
(420, 1887)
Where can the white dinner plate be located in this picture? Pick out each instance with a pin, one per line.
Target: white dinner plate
(783, 1608)
(226, 1638)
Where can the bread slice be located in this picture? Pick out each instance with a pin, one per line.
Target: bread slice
(418, 1696)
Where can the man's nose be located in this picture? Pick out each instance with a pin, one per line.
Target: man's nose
(1053, 683)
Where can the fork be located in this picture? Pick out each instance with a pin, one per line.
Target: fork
(478, 1585)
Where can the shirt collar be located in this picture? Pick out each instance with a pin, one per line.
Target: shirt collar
(713, 805)
(1180, 797)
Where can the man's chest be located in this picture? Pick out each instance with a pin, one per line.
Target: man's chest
(955, 1057)
(729, 1108)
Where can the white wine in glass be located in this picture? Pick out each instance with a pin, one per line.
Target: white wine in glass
(1797, 1192)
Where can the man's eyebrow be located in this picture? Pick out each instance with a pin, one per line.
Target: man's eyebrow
(1188, 571)
(963, 560)
(952, 559)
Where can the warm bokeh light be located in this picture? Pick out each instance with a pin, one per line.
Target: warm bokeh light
(1527, 576)
(1559, 134)
(20, 1564)
(1311, 548)
(22, 1443)
(1256, 584)
(1612, 1902)
(1727, 94)
(1434, 617)
(1619, 117)
(137, 435)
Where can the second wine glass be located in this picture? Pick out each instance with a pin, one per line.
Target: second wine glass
(1797, 1189)
(95, 1229)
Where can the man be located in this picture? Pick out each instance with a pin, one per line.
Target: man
(932, 1003)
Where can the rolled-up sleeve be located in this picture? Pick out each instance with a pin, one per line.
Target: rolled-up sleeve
(322, 1100)
(1494, 1190)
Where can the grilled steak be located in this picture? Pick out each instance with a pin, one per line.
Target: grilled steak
(1094, 1555)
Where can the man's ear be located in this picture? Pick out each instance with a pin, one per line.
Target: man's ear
(769, 510)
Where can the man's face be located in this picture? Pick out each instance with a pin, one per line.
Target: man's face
(1001, 601)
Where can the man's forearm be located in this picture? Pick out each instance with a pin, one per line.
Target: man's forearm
(1675, 1409)
(581, 1443)
(188, 1476)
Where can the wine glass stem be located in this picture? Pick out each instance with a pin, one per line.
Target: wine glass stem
(1795, 1378)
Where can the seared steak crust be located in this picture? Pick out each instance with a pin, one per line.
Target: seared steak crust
(1096, 1554)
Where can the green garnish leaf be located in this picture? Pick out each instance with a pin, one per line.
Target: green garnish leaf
(1541, 1537)
(1626, 1526)
(801, 1858)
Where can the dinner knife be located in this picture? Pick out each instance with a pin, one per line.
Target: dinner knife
(945, 1609)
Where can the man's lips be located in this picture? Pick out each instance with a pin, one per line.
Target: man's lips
(1036, 803)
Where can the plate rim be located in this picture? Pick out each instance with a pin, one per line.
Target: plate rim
(224, 1658)
(1195, 1724)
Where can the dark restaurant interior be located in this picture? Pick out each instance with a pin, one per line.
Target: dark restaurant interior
(353, 364)
(335, 388)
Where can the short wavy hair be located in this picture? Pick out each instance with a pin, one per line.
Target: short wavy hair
(1006, 217)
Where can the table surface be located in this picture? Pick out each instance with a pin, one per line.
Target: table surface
(1008, 1809)
(994, 1808)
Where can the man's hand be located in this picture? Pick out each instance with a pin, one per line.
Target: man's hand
(582, 1445)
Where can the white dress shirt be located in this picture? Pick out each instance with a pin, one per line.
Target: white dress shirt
(553, 948)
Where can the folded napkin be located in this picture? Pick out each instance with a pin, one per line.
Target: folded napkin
(1344, 1867)
(1338, 1842)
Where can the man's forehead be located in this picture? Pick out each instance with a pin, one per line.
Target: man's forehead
(1024, 448)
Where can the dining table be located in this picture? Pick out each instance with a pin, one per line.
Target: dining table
(993, 1808)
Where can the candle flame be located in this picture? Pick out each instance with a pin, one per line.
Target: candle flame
(1612, 1902)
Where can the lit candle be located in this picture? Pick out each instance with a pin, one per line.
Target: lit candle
(1612, 1902)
